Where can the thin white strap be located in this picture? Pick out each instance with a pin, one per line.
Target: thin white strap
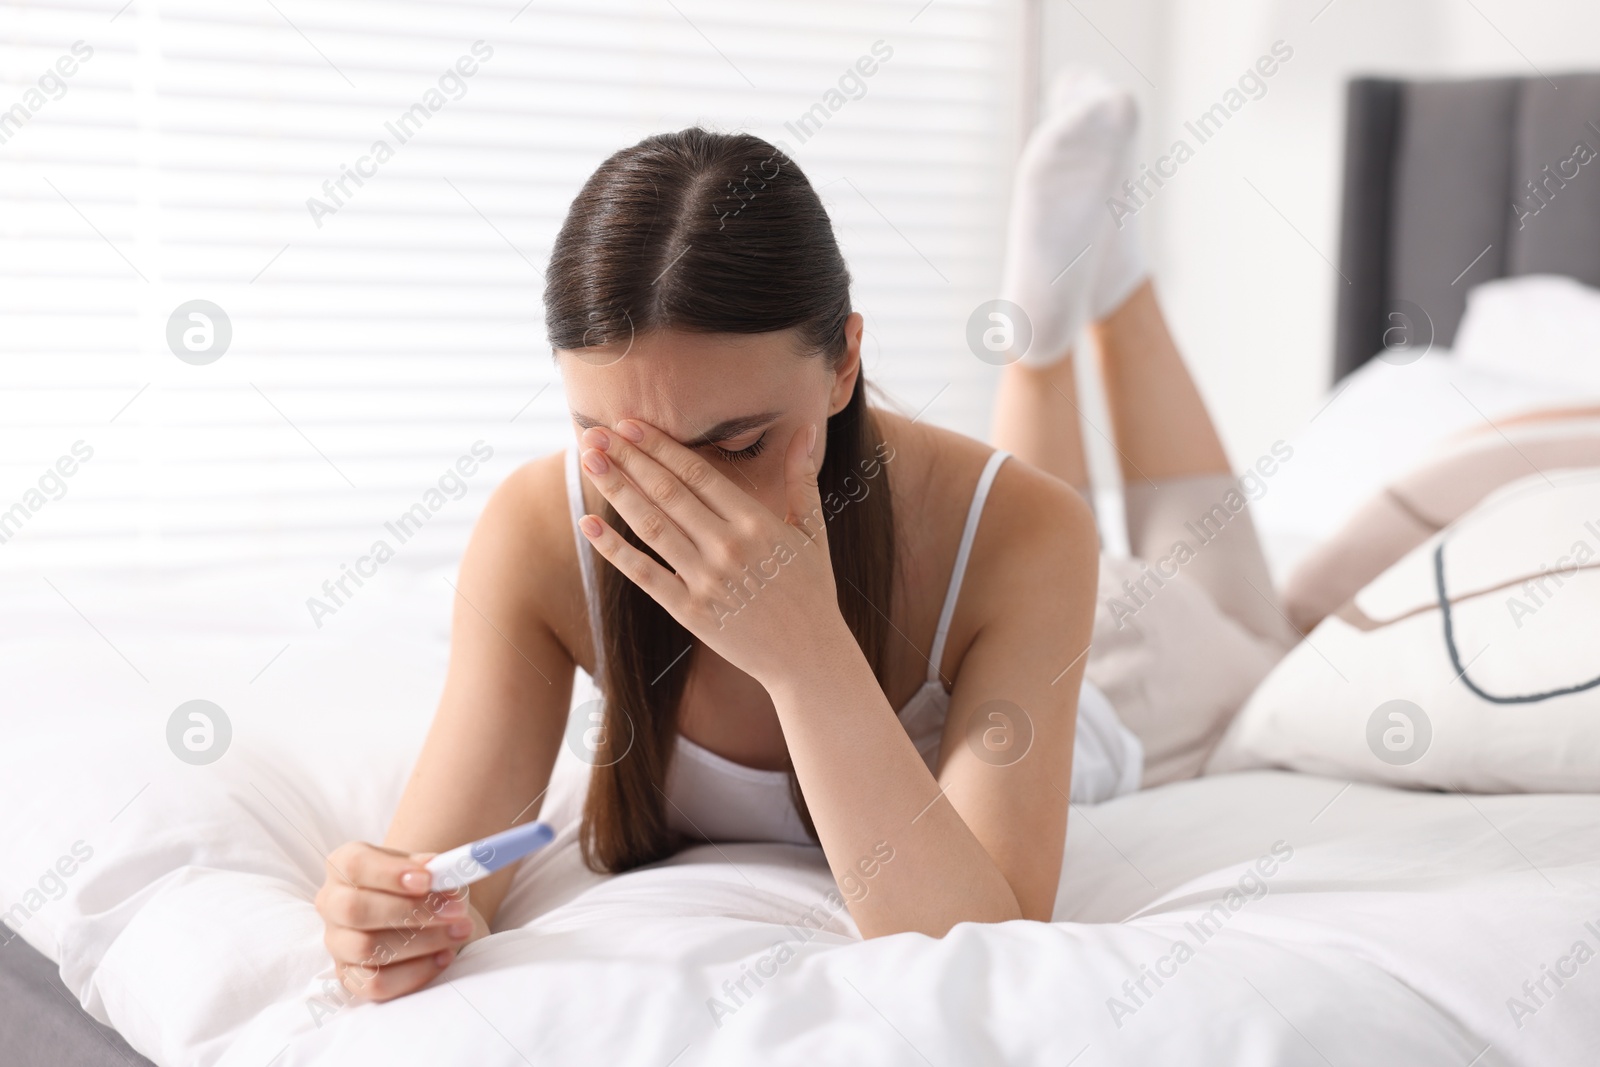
(585, 559)
(959, 571)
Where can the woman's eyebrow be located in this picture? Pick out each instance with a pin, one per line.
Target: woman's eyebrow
(720, 432)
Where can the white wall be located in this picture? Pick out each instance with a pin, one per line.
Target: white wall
(1250, 299)
(381, 326)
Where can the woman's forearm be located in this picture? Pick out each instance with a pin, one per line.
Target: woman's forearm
(870, 795)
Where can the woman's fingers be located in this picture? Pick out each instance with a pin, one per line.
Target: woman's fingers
(370, 909)
(717, 494)
(395, 980)
(387, 932)
(675, 489)
(655, 525)
(381, 948)
(666, 588)
(801, 493)
(369, 866)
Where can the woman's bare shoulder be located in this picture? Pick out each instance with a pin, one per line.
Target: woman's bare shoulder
(930, 467)
(532, 500)
(523, 558)
(1035, 532)
(1038, 533)
(937, 470)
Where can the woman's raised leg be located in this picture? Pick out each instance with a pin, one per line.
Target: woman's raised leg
(1055, 251)
(1184, 505)
(1162, 428)
(1036, 418)
(1068, 265)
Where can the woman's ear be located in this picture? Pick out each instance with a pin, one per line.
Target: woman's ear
(849, 368)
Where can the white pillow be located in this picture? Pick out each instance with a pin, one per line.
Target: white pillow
(1536, 327)
(1501, 694)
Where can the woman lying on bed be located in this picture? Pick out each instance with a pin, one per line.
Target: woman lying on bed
(803, 630)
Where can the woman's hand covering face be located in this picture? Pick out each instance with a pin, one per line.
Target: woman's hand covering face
(755, 588)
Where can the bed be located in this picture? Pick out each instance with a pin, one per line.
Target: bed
(1255, 917)
(1324, 919)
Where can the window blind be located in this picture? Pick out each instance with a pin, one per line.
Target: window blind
(270, 272)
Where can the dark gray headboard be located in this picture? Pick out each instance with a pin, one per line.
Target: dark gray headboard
(1439, 192)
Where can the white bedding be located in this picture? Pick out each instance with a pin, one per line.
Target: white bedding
(1396, 932)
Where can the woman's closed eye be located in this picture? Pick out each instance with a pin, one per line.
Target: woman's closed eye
(750, 451)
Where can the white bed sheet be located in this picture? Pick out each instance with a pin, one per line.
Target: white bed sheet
(1398, 931)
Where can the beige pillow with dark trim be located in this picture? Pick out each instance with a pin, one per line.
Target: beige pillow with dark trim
(1430, 497)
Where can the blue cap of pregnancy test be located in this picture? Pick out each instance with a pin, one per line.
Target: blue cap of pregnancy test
(497, 850)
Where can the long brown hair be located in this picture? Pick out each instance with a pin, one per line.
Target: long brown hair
(715, 233)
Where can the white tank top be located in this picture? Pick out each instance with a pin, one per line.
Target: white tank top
(713, 798)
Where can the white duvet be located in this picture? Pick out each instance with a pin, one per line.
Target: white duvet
(1263, 918)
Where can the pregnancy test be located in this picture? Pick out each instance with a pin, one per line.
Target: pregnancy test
(478, 860)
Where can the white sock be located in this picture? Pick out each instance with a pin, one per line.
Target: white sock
(1121, 268)
(1059, 229)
